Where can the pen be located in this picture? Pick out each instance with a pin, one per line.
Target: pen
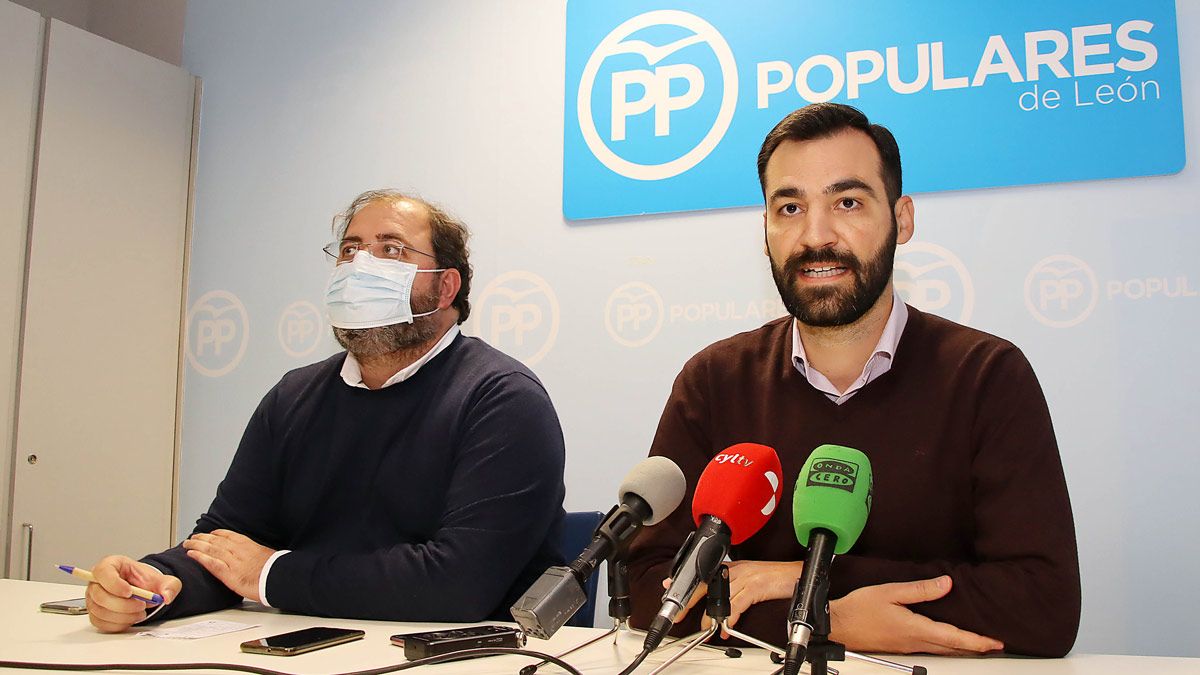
(139, 593)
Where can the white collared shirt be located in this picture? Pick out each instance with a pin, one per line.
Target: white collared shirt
(352, 372)
(879, 363)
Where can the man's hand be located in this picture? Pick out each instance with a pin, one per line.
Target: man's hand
(876, 619)
(755, 581)
(750, 582)
(235, 559)
(110, 602)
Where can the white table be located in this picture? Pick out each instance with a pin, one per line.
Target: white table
(27, 634)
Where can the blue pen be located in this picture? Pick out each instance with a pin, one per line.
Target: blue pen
(140, 593)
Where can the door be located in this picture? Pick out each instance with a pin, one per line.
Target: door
(20, 69)
(97, 391)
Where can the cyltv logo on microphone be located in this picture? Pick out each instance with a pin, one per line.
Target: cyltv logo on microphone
(736, 458)
(833, 473)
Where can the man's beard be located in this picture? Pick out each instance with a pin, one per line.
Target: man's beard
(829, 306)
(374, 342)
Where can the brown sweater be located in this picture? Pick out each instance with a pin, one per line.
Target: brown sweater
(968, 479)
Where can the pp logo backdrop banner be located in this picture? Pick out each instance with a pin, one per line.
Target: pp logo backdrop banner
(667, 103)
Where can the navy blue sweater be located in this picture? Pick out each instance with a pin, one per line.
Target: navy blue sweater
(435, 499)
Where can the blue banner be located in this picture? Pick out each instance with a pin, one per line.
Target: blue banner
(667, 103)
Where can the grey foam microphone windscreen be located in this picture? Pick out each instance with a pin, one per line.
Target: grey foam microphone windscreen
(659, 482)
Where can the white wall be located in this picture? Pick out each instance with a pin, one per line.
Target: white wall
(307, 103)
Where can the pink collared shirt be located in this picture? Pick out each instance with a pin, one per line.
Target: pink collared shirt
(879, 363)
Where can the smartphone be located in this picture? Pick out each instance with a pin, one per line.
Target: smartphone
(433, 643)
(300, 641)
(72, 606)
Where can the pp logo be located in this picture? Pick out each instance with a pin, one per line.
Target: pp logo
(1061, 291)
(217, 333)
(933, 279)
(518, 314)
(634, 314)
(833, 473)
(299, 329)
(657, 73)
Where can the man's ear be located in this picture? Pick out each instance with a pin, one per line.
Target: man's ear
(905, 215)
(448, 287)
(766, 246)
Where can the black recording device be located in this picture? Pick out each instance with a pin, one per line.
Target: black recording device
(438, 642)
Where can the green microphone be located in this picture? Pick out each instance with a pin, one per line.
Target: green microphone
(829, 511)
(833, 493)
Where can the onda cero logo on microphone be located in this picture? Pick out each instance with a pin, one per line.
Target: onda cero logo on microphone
(646, 109)
(833, 473)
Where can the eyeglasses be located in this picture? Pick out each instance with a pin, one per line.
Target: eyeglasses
(391, 249)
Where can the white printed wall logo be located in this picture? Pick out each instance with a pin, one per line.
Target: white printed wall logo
(1150, 288)
(518, 313)
(726, 310)
(659, 95)
(932, 279)
(299, 328)
(217, 333)
(1061, 291)
(634, 314)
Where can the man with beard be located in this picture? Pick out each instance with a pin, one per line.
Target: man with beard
(417, 476)
(970, 544)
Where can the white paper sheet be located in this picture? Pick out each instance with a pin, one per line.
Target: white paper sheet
(200, 629)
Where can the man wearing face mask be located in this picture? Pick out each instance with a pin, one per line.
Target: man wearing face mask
(417, 476)
(970, 544)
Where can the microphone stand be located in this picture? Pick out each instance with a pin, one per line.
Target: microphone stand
(777, 656)
(618, 608)
(808, 621)
(724, 620)
(717, 609)
(822, 650)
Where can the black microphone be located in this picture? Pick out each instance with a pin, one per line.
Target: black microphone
(829, 511)
(736, 493)
(649, 493)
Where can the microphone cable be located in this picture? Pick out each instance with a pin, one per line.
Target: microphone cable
(256, 670)
(637, 662)
(533, 667)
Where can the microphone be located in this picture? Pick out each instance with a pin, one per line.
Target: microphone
(829, 511)
(735, 496)
(650, 492)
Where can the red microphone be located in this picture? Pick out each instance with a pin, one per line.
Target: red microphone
(736, 495)
(742, 487)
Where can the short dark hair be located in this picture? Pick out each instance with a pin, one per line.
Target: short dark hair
(822, 120)
(448, 234)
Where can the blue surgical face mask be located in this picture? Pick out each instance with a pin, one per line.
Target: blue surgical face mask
(368, 292)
